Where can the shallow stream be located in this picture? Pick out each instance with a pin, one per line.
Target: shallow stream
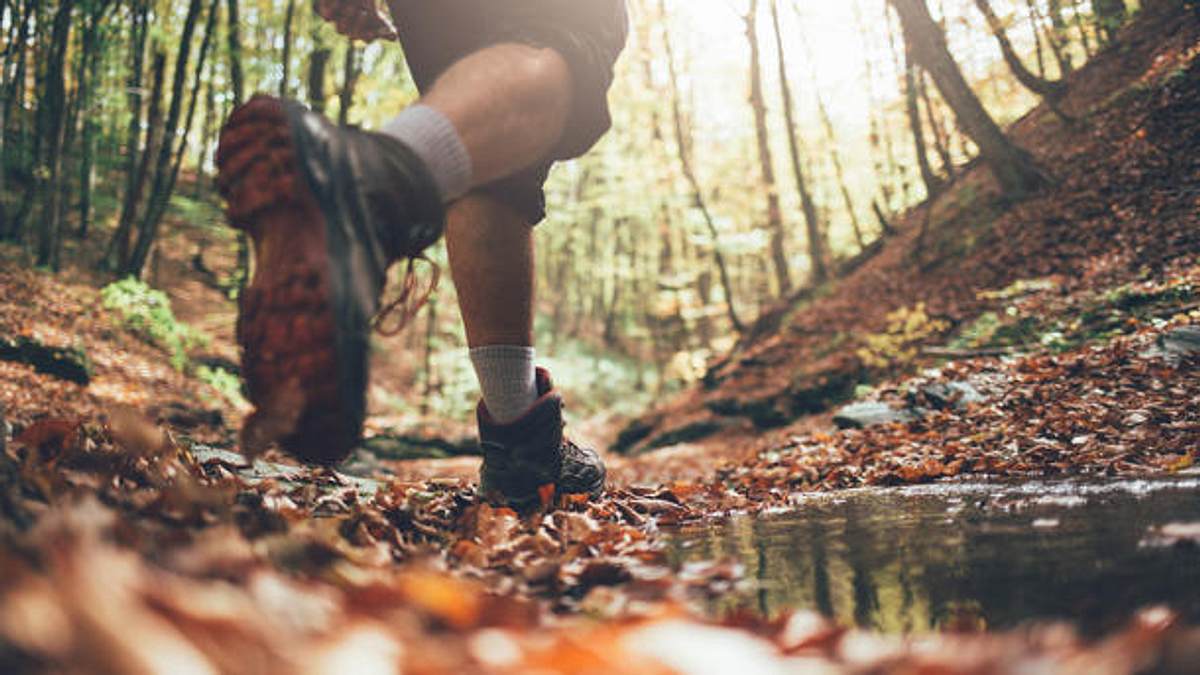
(973, 555)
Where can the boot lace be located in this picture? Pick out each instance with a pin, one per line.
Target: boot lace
(396, 314)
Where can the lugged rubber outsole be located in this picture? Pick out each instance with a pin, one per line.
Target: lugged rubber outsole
(286, 325)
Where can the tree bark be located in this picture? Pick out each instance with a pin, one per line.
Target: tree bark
(941, 140)
(816, 237)
(236, 79)
(1058, 38)
(52, 107)
(779, 260)
(350, 73)
(1051, 91)
(287, 49)
(1014, 168)
(933, 184)
(163, 181)
(135, 171)
(13, 104)
(316, 79)
(1110, 16)
(91, 119)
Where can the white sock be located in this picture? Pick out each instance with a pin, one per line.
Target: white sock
(508, 379)
(435, 140)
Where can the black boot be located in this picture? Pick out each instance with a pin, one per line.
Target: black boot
(527, 461)
(329, 209)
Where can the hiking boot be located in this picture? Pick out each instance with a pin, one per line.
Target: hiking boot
(527, 462)
(329, 210)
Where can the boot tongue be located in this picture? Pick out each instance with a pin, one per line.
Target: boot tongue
(403, 209)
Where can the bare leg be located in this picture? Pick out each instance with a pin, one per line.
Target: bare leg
(509, 104)
(491, 260)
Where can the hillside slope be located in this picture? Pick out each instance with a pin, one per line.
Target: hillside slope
(1123, 209)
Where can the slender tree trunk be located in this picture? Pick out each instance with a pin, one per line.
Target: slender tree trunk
(882, 177)
(316, 78)
(933, 184)
(1084, 37)
(350, 73)
(690, 176)
(236, 79)
(135, 171)
(91, 119)
(1039, 51)
(941, 141)
(1014, 169)
(54, 101)
(1110, 16)
(1058, 38)
(14, 91)
(32, 159)
(779, 260)
(816, 238)
(165, 170)
(1051, 91)
(898, 54)
(284, 82)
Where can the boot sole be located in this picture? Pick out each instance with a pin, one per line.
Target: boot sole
(287, 325)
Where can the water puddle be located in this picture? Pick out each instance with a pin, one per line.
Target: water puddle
(913, 560)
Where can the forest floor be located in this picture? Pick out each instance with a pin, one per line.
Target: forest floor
(134, 543)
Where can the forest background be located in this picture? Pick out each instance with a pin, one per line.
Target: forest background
(759, 148)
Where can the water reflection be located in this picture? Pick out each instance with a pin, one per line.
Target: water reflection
(979, 556)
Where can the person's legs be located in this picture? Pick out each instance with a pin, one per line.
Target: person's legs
(490, 245)
(508, 88)
(509, 104)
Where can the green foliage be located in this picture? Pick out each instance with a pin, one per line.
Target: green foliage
(899, 344)
(226, 383)
(147, 312)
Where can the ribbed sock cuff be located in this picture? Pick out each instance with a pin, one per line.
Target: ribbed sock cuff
(508, 379)
(435, 140)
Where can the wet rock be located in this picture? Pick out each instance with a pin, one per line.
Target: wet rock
(418, 446)
(764, 413)
(1176, 345)
(65, 363)
(943, 395)
(872, 414)
(636, 432)
(689, 433)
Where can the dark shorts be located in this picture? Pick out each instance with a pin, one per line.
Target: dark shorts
(589, 34)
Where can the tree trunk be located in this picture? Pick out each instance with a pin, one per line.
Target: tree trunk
(941, 141)
(690, 176)
(1039, 51)
(350, 73)
(1051, 91)
(287, 49)
(165, 170)
(876, 129)
(135, 171)
(816, 238)
(53, 102)
(316, 79)
(933, 184)
(1058, 38)
(779, 260)
(14, 95)
(91, 118)
(1083, 29)
(1110, 16)
(1014, 168)
(236, 80)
